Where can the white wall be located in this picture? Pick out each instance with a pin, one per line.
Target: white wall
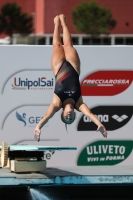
(29, 63)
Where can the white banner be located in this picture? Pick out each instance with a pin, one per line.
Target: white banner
(27, 86)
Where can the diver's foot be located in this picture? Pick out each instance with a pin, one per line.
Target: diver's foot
(57, 20)
(63, 20)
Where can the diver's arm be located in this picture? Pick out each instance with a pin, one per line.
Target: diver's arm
(52, 109)
(86, 111)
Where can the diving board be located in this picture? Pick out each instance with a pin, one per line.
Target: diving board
(26, 158)
(39, 148)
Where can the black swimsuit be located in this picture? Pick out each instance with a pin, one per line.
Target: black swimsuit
(67, 83)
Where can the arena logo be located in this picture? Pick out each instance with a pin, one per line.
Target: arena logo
(28, 121)
(106, 83)
(112, 117)
(40, 83)
(109, 152)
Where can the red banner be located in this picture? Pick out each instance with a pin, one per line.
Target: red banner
(106, 83)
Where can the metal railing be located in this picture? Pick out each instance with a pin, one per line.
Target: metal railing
(78, 39)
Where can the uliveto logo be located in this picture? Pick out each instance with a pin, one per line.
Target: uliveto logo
(106, 83)
(112, 117)
(39, 83)
(109, 152)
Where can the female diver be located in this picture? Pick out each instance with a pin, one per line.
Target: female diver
(65, 64)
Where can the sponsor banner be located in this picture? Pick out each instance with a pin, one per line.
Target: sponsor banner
(105, 153)
(27, 87)
(25, 116)
(48, 154)
(21, 122)
(30, 80)
(112, 117)
(106, 83)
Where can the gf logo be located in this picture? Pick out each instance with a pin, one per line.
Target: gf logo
(21, 118)
(28, 121)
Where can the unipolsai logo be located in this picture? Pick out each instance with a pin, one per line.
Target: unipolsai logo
(30, 80)
(27, 120)
(106, 83)
(28, 84)
(112, 117)
(105, 153)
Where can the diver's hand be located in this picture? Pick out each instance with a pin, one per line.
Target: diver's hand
(102, 129)
(37, 133)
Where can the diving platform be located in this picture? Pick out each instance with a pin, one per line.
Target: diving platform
(77, 175)
(18, 169)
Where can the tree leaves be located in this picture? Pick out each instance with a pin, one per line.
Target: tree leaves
(12, 20)
(90, 18)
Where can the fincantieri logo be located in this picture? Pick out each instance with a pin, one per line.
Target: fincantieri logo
(26, 84)
(112, 117)
(106, 83)
(105, 152)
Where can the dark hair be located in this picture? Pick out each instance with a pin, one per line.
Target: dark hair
(65, 121)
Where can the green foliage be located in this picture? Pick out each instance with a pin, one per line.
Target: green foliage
(90, 18)
(12, 20)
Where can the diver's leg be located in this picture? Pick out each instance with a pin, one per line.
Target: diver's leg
(70, 52)
(58, 55)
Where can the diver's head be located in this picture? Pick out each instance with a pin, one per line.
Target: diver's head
(68, 115)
